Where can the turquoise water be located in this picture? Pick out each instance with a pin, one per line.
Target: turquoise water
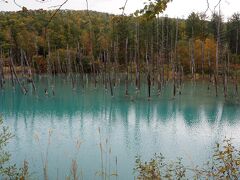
(187, 126)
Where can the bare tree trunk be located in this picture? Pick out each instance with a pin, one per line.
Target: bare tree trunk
(174, 81)
(1, 71)
(218, 42)
(167, 51)
(137, 58)
(81, 65)
(22, 64)
(225, 84)
(105, 56)
(149, 85)
(225, 77)
(12, 79)
(159, 83)
(210, 70)
(110, 83)
(228, 65)
(158, 63)
(30, 76)
(49, 71)
(152, 62)
(48, 58)
(109, 76)
(70, 74)
(176, 59)
(162, 54)
(126, 64)
(237, 41)
(203, 57)
(148, 73)
(131, 66)
(193, 59)
(23, 89)
(59, 63)
(157, 52)
(181, 79)
(236, 84)
(176, 42)
(216, 84)
(190, 55)
(115, 62)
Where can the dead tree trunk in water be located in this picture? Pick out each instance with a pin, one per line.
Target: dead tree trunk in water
(48, 60)
(158, 63)
(12, 78)
(105, 56)
(109, 76)
(11, 71)
(23, 89)
(236, 84)
(192, 59)
(174, 81)
(49, 71)
(180, 79)
(176, 69)
(237, 40)
(22, 64)
(59, 63)
(209, 70)
(149, 85)
(148, 73)
(190, 56)
(162, 55)
(1, 71)
(152, 62)
(153, 58)
(225, 83)
(137, 57)
(115, 47)
(110, 83)
(81, 64)
(70, 74)
(126, 64)
(218, 41)
(30, 76)
(159, 82)
(166, 51)
(216, 84)
(131, 66)
(203, 57)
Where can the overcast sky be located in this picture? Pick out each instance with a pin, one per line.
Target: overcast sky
(177, 8)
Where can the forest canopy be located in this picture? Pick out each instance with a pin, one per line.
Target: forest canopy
(95, 33)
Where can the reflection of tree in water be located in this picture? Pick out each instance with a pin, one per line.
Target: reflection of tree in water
(164, 110)
(211, 111)
(230, 113)
(100, 105)
(190, 114)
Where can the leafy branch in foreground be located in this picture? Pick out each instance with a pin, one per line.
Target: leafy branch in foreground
(5, 136)
(224, 164)
(9, 171)
(153, 8)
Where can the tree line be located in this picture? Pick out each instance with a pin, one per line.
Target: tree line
(93, 42)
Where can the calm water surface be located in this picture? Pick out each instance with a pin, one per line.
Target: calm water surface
(187, 126)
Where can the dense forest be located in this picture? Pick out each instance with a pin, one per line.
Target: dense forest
(87, 41)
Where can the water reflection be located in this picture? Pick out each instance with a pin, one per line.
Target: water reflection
(186, 126)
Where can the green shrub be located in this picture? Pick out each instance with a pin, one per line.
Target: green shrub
(9, 171)
(224, 164)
